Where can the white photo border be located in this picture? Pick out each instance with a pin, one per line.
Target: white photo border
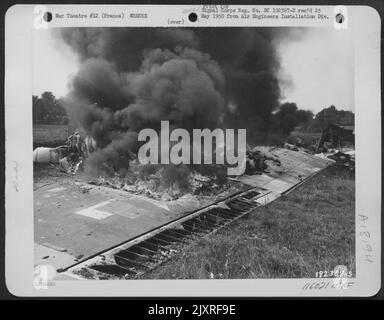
(366, 25)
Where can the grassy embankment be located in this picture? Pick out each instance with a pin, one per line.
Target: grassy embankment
(308, 230)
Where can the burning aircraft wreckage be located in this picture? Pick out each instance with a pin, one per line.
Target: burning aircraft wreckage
(109, 215)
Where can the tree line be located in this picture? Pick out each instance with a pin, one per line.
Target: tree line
(289, 117)
(48, 110)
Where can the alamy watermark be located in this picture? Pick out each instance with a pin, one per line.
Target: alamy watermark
(43, 274)
(178, 147)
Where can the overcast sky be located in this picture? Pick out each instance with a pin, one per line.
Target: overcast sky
(317, 68)
(320, 68)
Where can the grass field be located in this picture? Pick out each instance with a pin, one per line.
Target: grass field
(308, 230)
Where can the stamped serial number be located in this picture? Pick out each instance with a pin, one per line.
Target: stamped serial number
(334, 273)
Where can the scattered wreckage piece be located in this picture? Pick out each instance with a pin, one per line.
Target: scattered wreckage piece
(335, 136)
(69, 165)
(343, 159)
(331, 145)
(70, 157)
(48, 155)
(257, 161)
(290, 147)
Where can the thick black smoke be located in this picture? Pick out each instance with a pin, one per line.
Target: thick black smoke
(132, 78)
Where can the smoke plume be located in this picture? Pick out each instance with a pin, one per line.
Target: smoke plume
(132, 78)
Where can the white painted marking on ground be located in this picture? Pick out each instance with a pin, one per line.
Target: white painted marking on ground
(58, 189)
(124, 209)
(93, 212)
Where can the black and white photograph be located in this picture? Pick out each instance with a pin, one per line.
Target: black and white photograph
(184, 150)
(104, 209)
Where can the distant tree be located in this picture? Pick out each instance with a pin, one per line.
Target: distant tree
(326, 116)
(331, 115)
(48, 110)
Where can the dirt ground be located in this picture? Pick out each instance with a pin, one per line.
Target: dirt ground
(49, 173)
